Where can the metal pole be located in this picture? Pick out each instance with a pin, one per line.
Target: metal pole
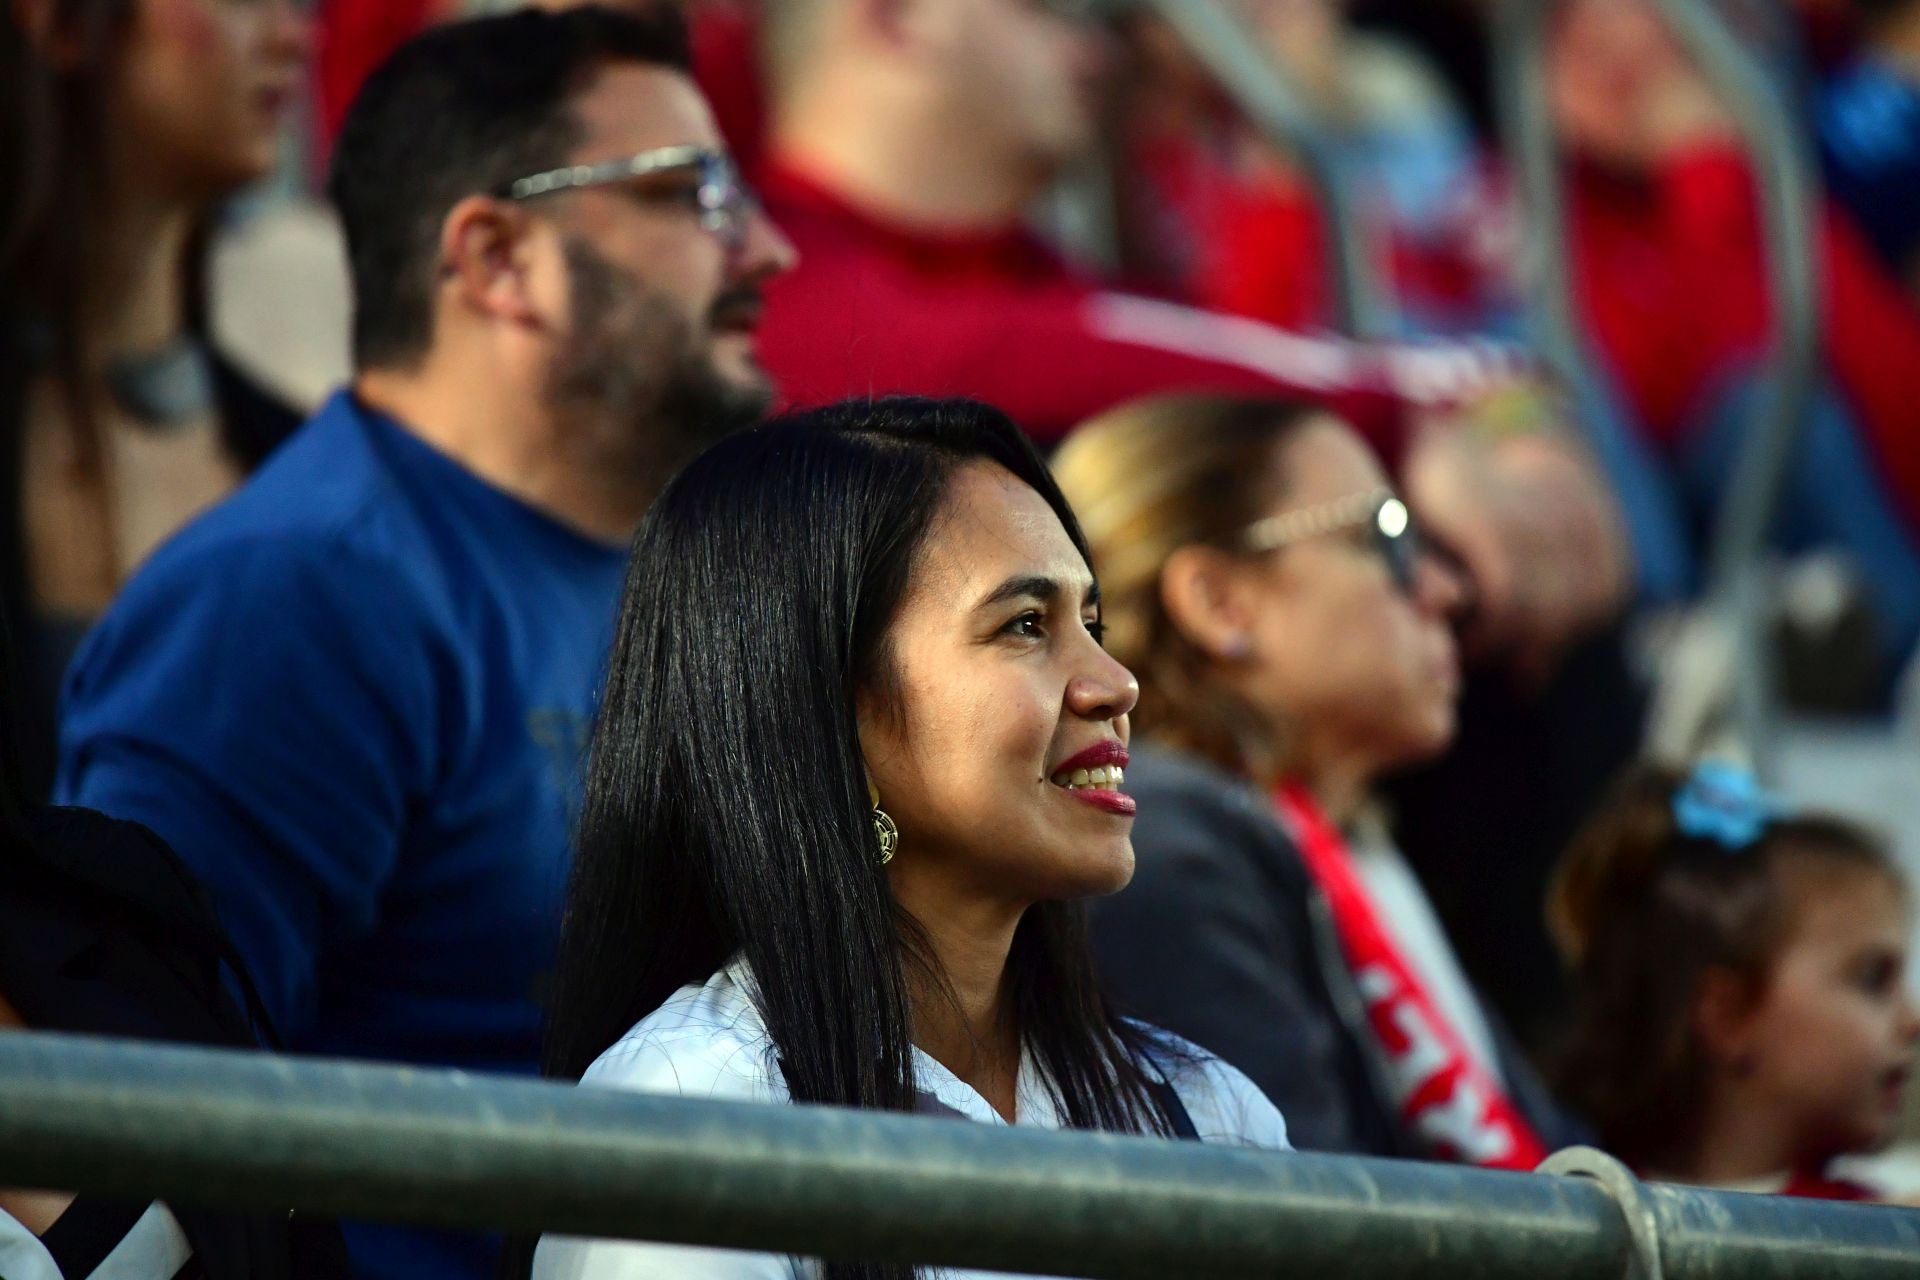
(1263, 92)
(252, 1131)
(1789, 193)
(1526, 120)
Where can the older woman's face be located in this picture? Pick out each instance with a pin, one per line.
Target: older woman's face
(1341, 660)
(1001, 696)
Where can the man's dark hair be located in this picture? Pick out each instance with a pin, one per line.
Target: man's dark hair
(457, 111)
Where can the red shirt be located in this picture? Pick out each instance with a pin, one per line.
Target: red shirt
(877, 309)
(1669, 278)
(1670, 275)
(1818, 1186)
(1258, 245)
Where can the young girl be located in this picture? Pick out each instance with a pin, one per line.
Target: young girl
(1743, 1013)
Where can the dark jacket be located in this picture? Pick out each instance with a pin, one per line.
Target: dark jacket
(103, 931)
(1224, 938)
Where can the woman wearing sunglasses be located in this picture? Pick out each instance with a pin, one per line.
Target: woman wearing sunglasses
(1293, 642)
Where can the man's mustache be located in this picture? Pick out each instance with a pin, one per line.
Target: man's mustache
(738, 308)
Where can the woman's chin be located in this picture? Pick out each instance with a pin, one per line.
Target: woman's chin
(1097, 877)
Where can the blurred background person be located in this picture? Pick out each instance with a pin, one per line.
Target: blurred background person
(1293, 642)
(1670, 281)
(123, 128)
(1744, 1015)
(1221, 218)
(355, 697)
(918, 274)
(864, 889)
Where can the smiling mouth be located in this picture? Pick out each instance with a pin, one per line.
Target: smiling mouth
(1098, 787)
(1104, 778)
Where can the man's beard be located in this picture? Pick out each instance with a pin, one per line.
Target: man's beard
(635, 378)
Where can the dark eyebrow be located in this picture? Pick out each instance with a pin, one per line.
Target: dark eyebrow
(1035, 587)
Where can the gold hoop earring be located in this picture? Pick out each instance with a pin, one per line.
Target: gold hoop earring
(885, 833)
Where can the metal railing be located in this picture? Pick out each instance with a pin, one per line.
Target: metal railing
(231, 1130)
(1264, 93)
(1789, 191)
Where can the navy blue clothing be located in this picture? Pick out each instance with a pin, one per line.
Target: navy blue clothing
(1869, 128)
(355, 698)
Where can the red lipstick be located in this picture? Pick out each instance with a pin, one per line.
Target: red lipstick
(1111, 753)
(1097, 756)
(1117, 802)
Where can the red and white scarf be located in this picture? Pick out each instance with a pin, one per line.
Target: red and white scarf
(1445, 1097)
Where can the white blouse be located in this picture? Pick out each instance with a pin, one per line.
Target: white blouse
(709, 1041)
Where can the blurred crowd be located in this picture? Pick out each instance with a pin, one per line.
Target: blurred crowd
(387, 542)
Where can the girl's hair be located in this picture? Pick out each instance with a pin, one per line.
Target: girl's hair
(726, 809)
(1152, 477)
(1641, 911)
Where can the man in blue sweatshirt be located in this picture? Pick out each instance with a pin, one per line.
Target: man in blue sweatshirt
(355, 696)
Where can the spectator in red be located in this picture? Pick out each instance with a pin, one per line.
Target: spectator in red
(1227, 221)
(1671, 282)
(908, 138)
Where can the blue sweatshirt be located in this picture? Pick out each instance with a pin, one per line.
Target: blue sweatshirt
(355, 698)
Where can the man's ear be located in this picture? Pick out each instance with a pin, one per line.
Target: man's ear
(1201, 591)
(1723, 1017)
(487, 249)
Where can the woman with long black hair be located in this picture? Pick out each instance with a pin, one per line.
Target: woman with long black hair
(860, 752)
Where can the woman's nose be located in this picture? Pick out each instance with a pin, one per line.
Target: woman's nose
(1106, 691)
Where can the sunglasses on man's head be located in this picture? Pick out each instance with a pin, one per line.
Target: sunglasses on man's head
(1390, 527)
(719, 196)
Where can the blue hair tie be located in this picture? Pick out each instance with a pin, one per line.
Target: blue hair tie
(1725, 804)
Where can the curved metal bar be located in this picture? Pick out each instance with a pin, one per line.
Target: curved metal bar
(1264, 93)
(1789, 194)
(253, 1131)
(1526, 123)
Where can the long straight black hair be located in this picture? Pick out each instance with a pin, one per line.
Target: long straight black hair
(726, 809)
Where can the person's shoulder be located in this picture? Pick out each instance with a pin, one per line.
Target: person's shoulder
(1225, 1105)
(706, 1041)
(1185, 801)
(324, 473)
(318, 525)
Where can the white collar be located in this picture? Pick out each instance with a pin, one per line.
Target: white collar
(1033, 1100)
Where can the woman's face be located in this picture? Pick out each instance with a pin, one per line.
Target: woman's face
(202, 89)
(999, 692)
(1342, 662)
